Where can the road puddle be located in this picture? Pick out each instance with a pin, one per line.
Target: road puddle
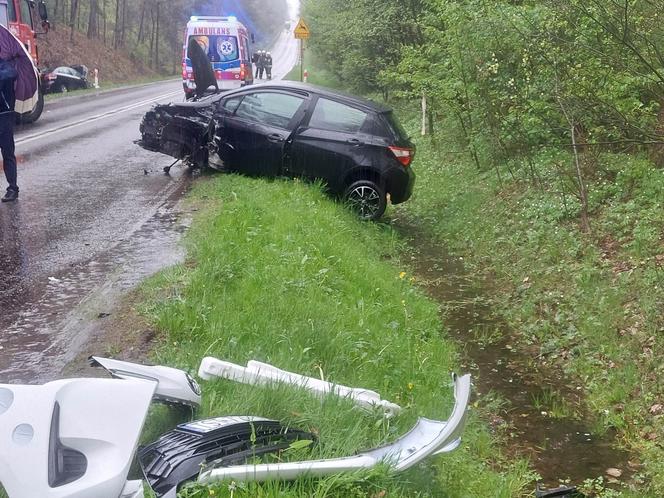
(48, 326)
(541, 411)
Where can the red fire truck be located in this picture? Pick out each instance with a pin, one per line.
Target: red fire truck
(27, 19)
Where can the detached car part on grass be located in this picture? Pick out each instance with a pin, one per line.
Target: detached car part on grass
(428, 437)
(258, 373)
(76, 438)
(179, 455)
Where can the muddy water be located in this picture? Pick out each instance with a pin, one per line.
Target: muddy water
(542, 412)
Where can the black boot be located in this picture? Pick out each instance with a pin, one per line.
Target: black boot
(11, 195)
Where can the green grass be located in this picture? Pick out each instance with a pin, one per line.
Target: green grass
(317, 75)
(591, 303)
(278, 272)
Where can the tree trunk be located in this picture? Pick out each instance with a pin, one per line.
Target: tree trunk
(72, 19)
(657, 149)
(93, 20)
(583, 192)
(423, 131)
(581, 184)
(104, 19)
(151, 58)
(156, 45)
(124, 21)
(139, 38)
(116, 28)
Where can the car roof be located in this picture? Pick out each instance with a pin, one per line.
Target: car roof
(319, 90)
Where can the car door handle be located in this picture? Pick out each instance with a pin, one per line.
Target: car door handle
(355, 141)
(275, 137)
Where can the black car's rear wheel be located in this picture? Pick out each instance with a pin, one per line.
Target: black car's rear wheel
(367, 199)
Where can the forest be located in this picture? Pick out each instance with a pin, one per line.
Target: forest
(519, 77)
(151, 30)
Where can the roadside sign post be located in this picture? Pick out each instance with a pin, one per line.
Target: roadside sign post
(301, 33)
(301, 60)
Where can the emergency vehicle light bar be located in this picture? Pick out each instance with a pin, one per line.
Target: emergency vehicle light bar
(213, 18)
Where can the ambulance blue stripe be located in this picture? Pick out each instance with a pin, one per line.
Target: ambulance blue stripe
(219, 65)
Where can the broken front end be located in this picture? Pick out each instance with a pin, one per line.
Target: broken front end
(182, 131)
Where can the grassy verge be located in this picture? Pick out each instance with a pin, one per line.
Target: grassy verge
(317, 75)
(279, 273)
(592, 304)
(105, 86)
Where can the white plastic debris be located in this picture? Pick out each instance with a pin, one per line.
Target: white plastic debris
(257, 373)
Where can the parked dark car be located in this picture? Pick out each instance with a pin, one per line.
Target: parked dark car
(63, 79)
(356, 146)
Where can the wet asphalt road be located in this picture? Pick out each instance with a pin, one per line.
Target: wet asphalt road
(95, 216)
(84, 197)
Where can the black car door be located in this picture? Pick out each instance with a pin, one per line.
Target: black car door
(254, 127)
(330, 144)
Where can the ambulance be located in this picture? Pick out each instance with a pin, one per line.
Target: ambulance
(226, 41)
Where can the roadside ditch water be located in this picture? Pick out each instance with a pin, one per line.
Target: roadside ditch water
(541, 411)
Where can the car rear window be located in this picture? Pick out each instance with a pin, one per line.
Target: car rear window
(219, 48)
(333, 116)
(395, 127)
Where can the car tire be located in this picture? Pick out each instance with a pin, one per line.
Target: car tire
(31, 117)
(64, 88)
(367, 199)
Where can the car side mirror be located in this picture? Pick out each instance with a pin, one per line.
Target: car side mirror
(43, 12)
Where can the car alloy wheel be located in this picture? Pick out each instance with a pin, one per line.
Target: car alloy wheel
(367, 199)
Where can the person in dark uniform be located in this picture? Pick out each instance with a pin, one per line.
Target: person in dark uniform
(268, 65)
(8, 75)
(254, 58)
(259, 64)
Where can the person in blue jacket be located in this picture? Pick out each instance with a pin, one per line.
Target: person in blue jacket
(8, 76)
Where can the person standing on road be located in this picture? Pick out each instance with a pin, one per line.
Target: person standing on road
(259, 64)
(268, 65)
(254, 59)
(8, 75)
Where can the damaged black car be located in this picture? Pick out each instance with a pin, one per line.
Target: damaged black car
(355, 146)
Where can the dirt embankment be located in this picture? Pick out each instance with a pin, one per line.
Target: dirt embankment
(56, 49)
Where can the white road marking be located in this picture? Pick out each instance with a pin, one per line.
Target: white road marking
(92, 119)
